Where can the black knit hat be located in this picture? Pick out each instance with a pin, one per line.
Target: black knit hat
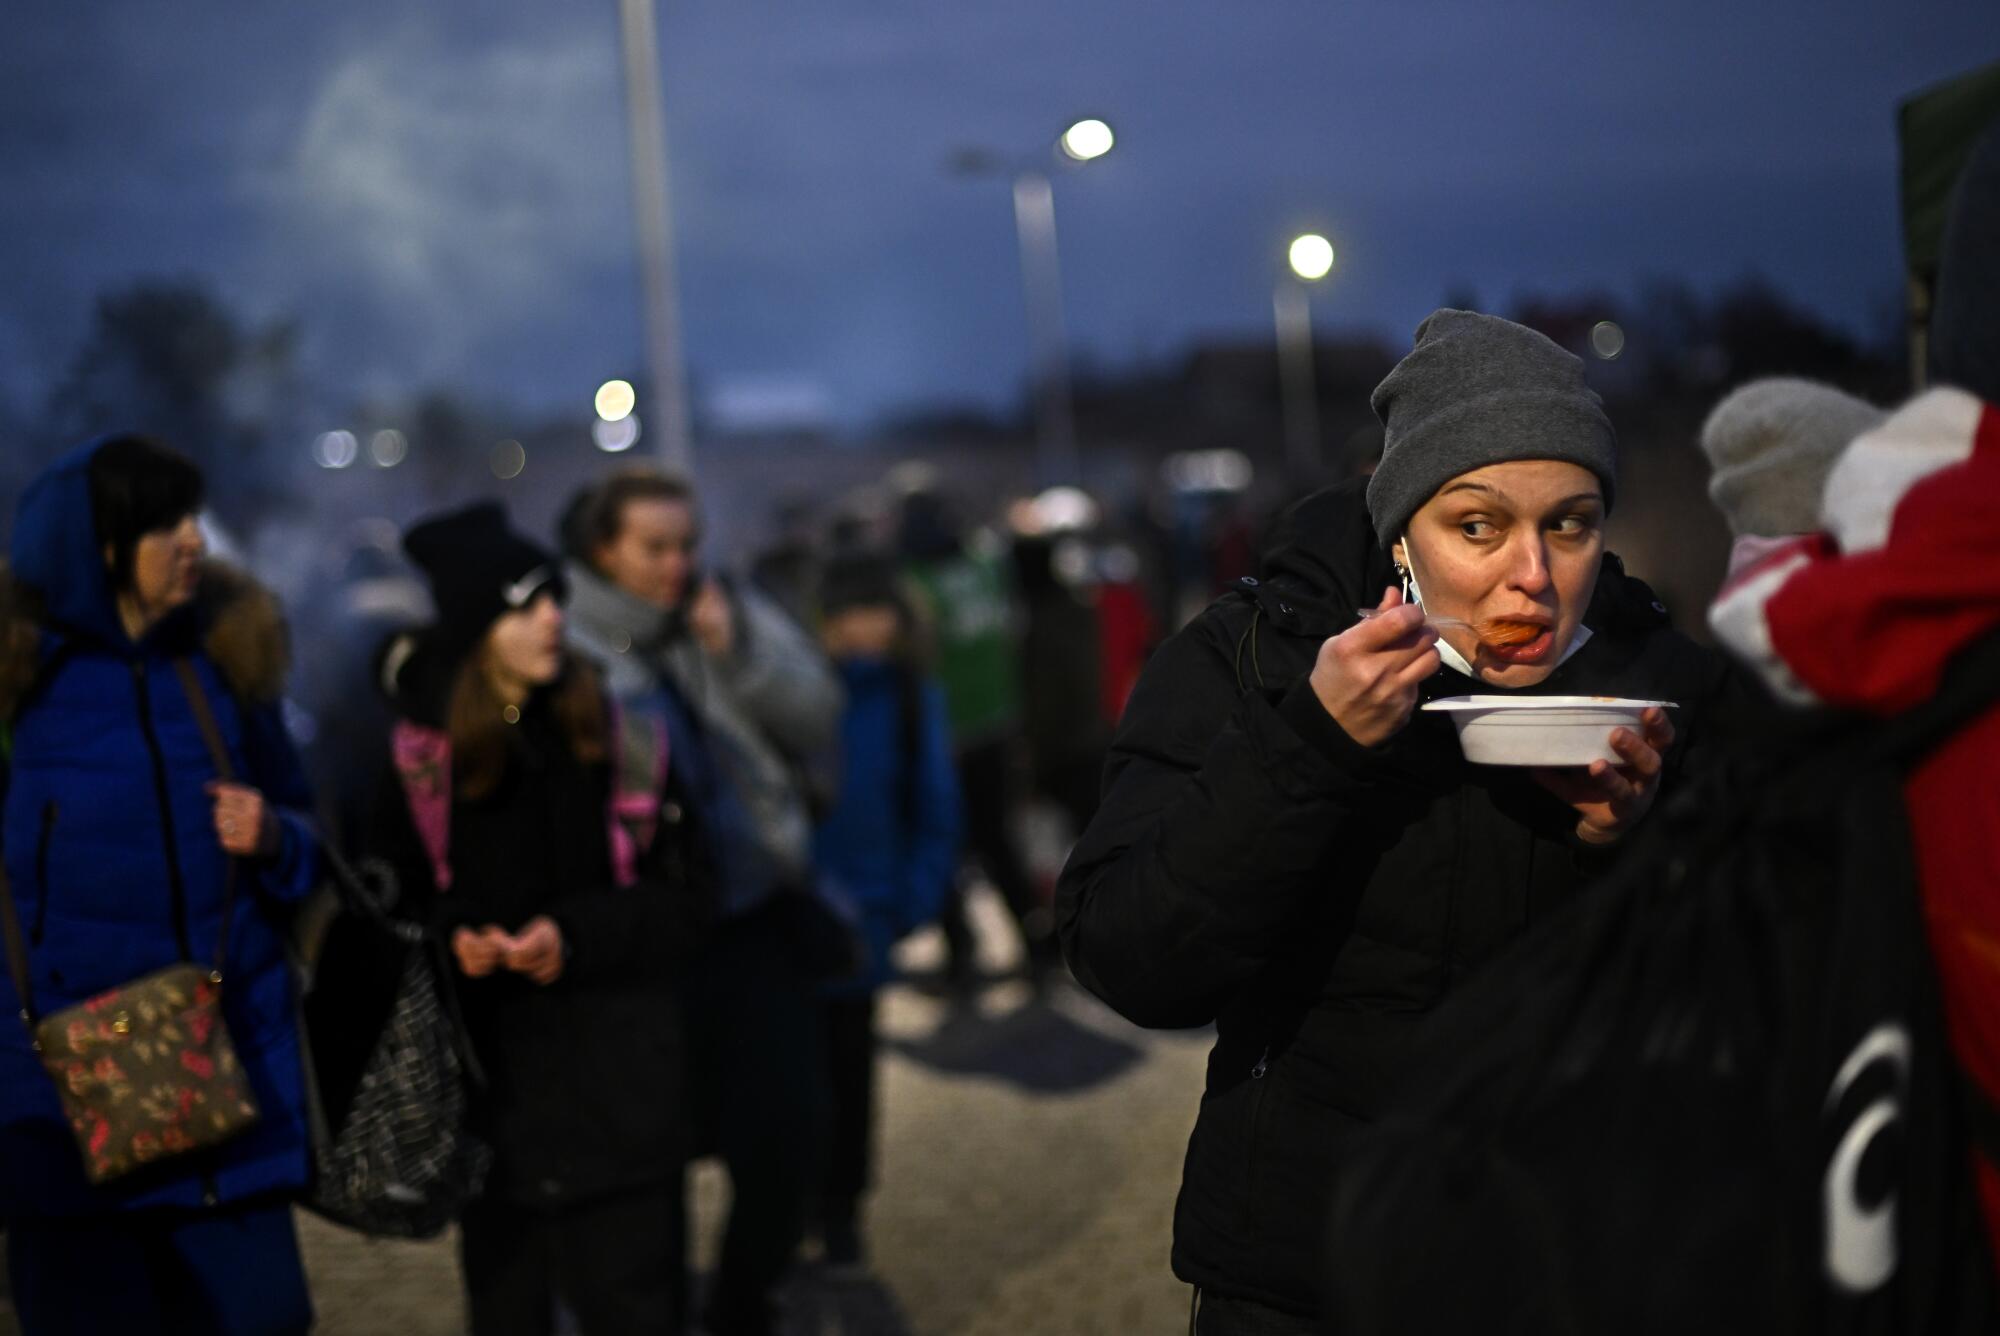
(478, 568)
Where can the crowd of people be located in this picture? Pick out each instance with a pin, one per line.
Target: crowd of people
(660, 830)
(663, 826)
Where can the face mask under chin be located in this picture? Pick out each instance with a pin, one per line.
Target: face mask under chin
(1414, 592)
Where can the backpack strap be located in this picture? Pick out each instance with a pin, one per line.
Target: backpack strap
(422, 758)
(16, 952)
(639, 755)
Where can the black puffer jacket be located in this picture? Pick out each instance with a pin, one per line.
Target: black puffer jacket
(587, 1091)
(1255, 867)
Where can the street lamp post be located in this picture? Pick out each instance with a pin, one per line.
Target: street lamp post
(646, 120)
(1041, 281)
(1311, 259)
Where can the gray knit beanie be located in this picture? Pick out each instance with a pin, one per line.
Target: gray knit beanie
(1771, 444)
(1479, 390)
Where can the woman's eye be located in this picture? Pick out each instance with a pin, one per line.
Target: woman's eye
(1574, 525)
(1476, 529)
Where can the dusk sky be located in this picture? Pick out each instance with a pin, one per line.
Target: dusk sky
(439, 192)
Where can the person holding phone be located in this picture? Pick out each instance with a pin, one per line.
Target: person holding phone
(740, 684)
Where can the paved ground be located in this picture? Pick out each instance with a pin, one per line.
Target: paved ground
(1030, 1155)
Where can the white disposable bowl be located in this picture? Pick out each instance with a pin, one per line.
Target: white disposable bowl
(1542, 730)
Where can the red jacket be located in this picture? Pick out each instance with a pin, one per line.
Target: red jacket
(1867, 616)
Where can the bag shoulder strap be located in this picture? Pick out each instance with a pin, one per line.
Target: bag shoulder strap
(16, 949)
(218, 752)
(422, 757)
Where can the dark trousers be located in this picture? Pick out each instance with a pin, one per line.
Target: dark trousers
(986, 784)
(755, 1040)
(1221, 1315)
(616, 1265)
(230, 1271)
(849, 1033)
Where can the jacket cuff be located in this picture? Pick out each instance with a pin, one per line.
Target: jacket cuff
(1322, 732)
(293, 871)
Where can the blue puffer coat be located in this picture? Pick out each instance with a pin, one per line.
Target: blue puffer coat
(111, 851)
(890, 845)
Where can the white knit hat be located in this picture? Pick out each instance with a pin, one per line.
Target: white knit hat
(1771, 444)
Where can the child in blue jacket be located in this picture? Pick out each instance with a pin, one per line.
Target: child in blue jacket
(889, 846)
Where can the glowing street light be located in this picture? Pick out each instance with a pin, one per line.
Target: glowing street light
(1041, 277)
(1312, 257)
(615, 400)
(1087, 139)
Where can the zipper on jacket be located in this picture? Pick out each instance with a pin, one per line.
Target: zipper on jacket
(1253, 1138)
(42, 873)
(176, 888)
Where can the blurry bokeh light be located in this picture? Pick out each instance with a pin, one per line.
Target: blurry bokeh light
(388, 448)
(1607, 340)
(1210, 471)
(1087, 139)
(1063, 509)
(1312, 257)
(336, 449)
(509, 458)
(615, 400)
(615, 435)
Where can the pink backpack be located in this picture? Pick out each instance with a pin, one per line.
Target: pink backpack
(422, 757)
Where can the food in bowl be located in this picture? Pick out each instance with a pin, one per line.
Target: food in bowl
(1542, 730)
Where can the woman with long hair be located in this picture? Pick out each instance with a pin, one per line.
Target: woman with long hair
(568, 896)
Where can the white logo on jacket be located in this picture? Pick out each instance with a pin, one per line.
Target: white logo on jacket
(1861, 1252)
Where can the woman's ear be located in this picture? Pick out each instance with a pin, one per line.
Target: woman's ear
(1399, 556)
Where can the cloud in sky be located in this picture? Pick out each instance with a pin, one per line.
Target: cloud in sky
(458, 193)
(440, 192)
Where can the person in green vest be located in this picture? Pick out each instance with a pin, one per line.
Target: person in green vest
(967, 596)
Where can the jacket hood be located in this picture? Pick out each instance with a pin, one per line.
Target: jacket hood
(234, 620)
(56, 550)
(55, 588)
(1325, 564)
(1905, 575)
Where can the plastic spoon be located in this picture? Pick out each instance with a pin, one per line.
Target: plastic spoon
(1501, 634)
